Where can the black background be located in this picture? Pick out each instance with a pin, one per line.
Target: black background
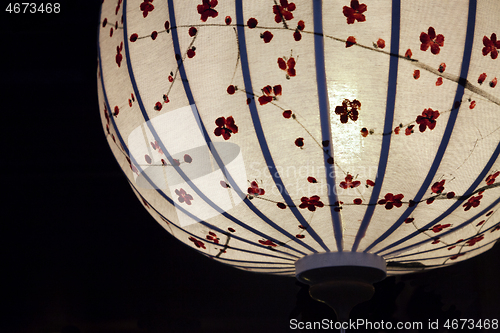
(81, 254)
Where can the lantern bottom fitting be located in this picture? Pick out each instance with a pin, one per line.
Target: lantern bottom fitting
(341, 279)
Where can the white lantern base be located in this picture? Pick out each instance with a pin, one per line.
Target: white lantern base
(341, 279)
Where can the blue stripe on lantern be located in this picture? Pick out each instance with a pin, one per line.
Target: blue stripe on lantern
(389, 118)
(441, 234)
(223, 232)
(469, 39)
(447, 257)
(141, 105)
(267, 270)
(258, 127)
(324, 111)
(258, 262)
(443, 247)
(202, 127)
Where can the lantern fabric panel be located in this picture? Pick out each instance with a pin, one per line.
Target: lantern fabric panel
(357, 134)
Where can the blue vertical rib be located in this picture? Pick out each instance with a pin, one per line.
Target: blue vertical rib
(259, 130)
(469, 39)
(389, 118)
(324, 112)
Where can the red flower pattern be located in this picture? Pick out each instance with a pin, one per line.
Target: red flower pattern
(206, 9)
(348, 183)
(267, 36)
(199, 244)
(191, 52)
(288, 66)
(438, 187)
(283, 11)
(300, 27)
(493, 83)
(119, 56)
(380, 43)
(473, 202)
(481, 78)
(254, 189)
(156, 146)
(225, 127)
(427, 119)
(312, 180)
(416, 74)
(158, 106)
(270, 94)
(268, 243)
(351, 40)
(390, 200)
(297, 35)
(456, 256)
(491, 45)
(299, 142)
(355, 12)
(491, 178)
(118, 6)
(252, 23)
(146, 7)
(430, 39)
(474, 240)
(213, 237)
(439, 227)
(348, 110)
(183, 196)
(311, 203)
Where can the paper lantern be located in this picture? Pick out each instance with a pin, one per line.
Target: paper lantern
(340, 133)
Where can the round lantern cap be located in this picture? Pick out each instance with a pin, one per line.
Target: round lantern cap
(343, 263)
(341, 279)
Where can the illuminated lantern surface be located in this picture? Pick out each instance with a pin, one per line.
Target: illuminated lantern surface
(260, 132)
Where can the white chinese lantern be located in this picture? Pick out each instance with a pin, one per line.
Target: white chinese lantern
(332, 140)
